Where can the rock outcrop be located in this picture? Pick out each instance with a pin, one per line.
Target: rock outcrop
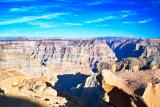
(18, 85)
(128, 90)
(152, 95)
(132, 64)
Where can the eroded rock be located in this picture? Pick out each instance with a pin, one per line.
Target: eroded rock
(117, 92)
(152, 95)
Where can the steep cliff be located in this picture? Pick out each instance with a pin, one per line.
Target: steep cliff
(135, 47)
(49, 55)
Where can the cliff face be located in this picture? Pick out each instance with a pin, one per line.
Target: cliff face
(135, 48)
(83, 52)
(63, 54)
(76, 55)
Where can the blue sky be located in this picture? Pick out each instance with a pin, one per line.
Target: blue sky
(80, 18)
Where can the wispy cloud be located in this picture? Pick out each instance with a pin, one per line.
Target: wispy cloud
(145, 21)
(127, 13)
(72, 24)
(94, 3)
(100, 19)
(140, 22)
(51, 25)
(31, 18)
(99, 2)
(127, 22)
(122, 15)
(42, 24)
(22, 9)
(32, 9)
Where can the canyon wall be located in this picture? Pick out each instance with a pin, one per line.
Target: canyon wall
(70, 73)
(62, 55)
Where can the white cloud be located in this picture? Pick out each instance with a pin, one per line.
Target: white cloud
(42, 24)
(126, 13)
(72, 24)
(51, 25)
(22, 9)
(36, 8)
(127, 22)
(145, 21)
(120, 15)
(100, 19)
(99, 2)
(31, 18)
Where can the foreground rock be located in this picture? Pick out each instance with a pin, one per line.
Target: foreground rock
(152, 95)
(25, 88)
(124, 93)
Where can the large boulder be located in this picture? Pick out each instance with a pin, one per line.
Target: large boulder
(110, 78)
(117, 92)
(152, 95)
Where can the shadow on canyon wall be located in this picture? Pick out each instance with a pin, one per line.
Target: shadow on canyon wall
(128, 50)
(16, 102)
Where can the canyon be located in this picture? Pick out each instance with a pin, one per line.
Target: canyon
(97, 72)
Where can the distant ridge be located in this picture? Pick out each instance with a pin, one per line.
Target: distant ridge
(23, 38)
(114, 38)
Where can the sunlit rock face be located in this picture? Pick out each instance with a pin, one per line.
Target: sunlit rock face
(152, 95)
(65, 55)
(82, 52)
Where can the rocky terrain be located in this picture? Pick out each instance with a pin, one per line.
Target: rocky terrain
(97, 72)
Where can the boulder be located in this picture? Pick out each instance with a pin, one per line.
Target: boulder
(110, 78)
(152, 95)
(117, 92)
